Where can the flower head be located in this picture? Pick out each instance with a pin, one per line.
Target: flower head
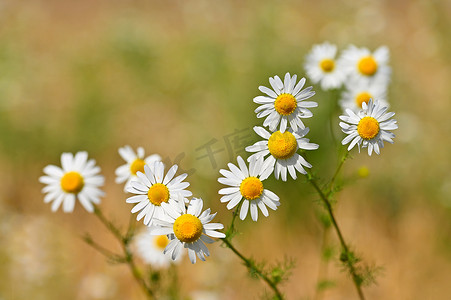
(78, 179)
(190, 227)
(246, 184)
(152, 189)
(363, 66)
(150, 248)
(282, 149)
(358, 93)
(134, 162)
(321, 66)
(285, 103)
(368, 128)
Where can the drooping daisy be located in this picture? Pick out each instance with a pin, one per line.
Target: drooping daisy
(321, 66)
(135, 163)
(248, 184)
(282, 149)
(369, 128)
(285, 103)
(78, 179)
(190, 227)
(356, 94)
(150, 248)
(152, 189)
(363, 66)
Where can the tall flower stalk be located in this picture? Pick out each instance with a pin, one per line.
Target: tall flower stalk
(248, 262)
(127, 256)
(346, 256)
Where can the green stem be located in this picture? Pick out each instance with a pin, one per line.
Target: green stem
(322, 273)
(136, 273)
(128, 256)
(109, 225)
(349, 263)
(250, 265)
(337, 171)
(231, 228)
(105, 252)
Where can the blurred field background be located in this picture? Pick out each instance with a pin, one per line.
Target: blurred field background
(174, 76)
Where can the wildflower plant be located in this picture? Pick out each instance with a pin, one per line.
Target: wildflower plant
(176, 222)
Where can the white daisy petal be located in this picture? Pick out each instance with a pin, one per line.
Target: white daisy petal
(192, 256)
(53, 171)
(80, 160)
(213, 226)
(254, 210)
(267, 91)
(170, 174)
(263, 208)
(244, 209)
(242, 166)
(144, 179)
(69, 203)
(215, 234)
(67, 162)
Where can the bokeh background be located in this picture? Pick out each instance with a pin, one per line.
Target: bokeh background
(177, 77)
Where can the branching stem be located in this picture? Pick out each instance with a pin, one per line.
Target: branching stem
(125, 243)
(251, 265)
(248, 262)
(326, 200)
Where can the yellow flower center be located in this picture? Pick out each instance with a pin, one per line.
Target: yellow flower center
(72, 182)
(161, 242)
(282, 145)
(137, 165)
(362, 97)
(327, 65)
(187, 228)
(368, 128)
(158, 193)
(367, 66)
(251, 188)
(285, 104)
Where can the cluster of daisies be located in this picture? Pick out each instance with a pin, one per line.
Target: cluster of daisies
(161, 199)
(363, 77)
(175, 219)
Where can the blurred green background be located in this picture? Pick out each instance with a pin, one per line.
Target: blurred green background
(174, 76)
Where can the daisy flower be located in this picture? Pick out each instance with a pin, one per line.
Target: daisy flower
(369, 127)
(285, 103)
(247, 183)
(356, 94)
(190, 227)
(321, 66)
(134, 162)
(78, 179)
(282, 149)
(362, 65)
(152, 189)
(150, 248)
